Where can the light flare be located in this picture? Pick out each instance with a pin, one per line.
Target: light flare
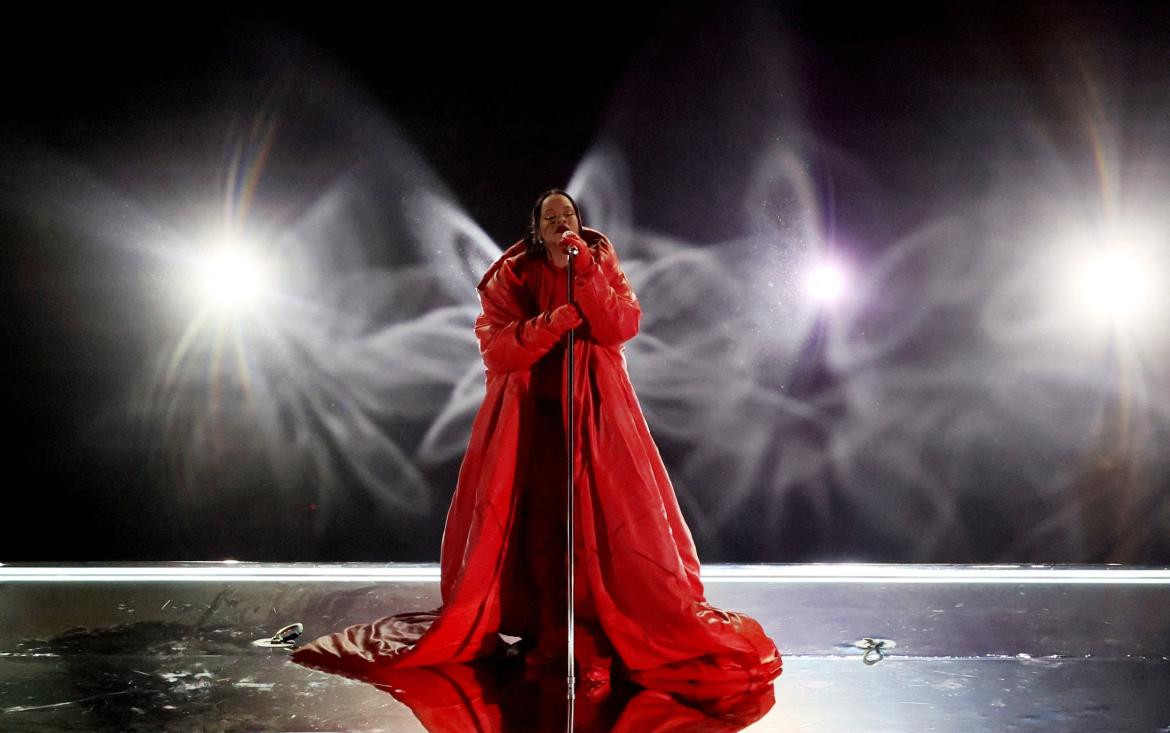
(1115, 283)
(826, 282)
(232, 277)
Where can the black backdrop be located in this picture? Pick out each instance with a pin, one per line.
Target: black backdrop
(119, 116)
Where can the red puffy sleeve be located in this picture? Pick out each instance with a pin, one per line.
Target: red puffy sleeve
(509, 338)
(605, 297)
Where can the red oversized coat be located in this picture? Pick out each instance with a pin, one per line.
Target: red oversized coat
(634, 548)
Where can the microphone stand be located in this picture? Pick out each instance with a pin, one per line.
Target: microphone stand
(569, 441)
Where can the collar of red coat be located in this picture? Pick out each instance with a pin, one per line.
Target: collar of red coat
(591, 236)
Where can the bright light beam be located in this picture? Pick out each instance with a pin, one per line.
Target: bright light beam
(231, 277)
(1115, 283)
(826, 282)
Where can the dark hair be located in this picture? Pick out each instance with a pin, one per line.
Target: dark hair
(534, 245)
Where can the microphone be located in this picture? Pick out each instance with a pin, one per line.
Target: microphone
(565, 232)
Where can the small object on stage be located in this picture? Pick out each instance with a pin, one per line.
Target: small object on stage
(282, 639)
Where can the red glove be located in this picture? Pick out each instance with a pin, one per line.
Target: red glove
(564, 318)
(584, 262)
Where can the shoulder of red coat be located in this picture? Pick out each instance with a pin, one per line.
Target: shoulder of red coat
(598, 241)
(506, 265)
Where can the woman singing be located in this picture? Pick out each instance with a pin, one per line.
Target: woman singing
(639, 603)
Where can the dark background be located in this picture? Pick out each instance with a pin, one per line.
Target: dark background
(116, 116)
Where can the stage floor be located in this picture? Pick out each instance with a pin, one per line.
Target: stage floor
(140, 647)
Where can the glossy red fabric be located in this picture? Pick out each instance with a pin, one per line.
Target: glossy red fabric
(637, 568)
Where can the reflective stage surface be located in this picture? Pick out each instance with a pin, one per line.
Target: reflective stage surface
(154, 647)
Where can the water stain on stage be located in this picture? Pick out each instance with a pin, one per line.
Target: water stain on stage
(892, 652)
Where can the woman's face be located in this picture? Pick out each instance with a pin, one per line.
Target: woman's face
(555, 211)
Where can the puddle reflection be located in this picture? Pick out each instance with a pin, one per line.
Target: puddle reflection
(495, 696)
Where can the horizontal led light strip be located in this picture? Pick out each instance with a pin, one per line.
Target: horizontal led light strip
(234, 571)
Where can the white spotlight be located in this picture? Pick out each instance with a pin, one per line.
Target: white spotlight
(231, 277)
(1114, 283)
(826, 282)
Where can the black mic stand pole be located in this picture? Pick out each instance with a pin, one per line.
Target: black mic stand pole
(569, 440)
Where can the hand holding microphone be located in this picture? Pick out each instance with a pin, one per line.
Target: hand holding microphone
(569, 240)
(574, 246)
